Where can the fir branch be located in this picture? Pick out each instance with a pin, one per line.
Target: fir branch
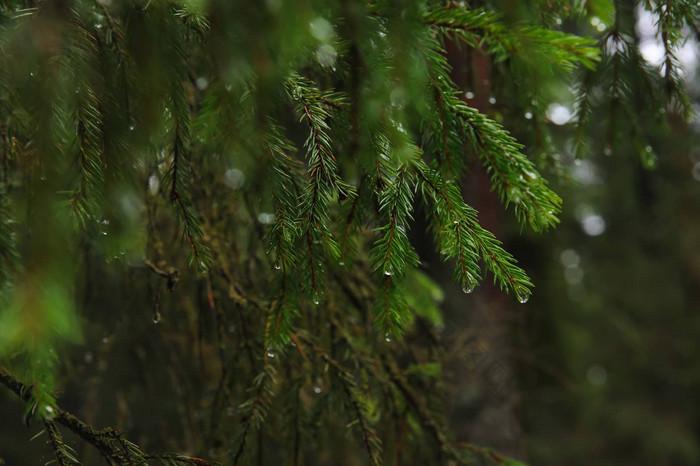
(179, 176)
(392, 252)
(460, 236)
(325, 182)
(9, 255)
(179, 460)
(420, 408)
(109, 442)
(513, 175)
(257, 407)
(60, 449)
(179, 197)
(482, 29)
(582, 112)
(672, 16)
(356, 399)
(370, 439)
(282, 237)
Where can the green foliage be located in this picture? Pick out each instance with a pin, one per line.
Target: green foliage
(289, 148)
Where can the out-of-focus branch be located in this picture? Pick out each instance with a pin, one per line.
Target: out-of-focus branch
(109, 442)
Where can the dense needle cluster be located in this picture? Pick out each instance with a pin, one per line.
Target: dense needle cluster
(287, 150)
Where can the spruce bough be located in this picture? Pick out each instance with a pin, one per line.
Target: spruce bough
(285, 150)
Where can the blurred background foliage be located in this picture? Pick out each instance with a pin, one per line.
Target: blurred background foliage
(167, 269)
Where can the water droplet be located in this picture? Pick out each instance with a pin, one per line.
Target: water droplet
(469, 95)
(153, 184)
(530, 174)
(523, 295)
(98, 25)
(156, 318)
(514, 194)
(597, 375)
(131, 127)
(317, 390)
(387, 273)
(387, 339)
(341, 263)
(277, 266)
(31, 73)
(492, 100)
(558, 114)
(528, 115)
(270, 354)
(266, 218)
(326, 55)
(468, 287)
(234, 178)
(202, 83)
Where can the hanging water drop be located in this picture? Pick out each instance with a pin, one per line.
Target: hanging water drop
(523, 295)
(131, 127)
(468, 287)
(277, 266)
(156, 318)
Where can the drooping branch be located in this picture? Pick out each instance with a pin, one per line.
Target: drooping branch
(109, 442)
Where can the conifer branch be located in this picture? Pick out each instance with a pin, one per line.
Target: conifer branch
(482, 29)
(60, 449)
(392, 252)
(513, 175)
(460, 236)
(179, 197)
(356, 398)
(673, 15)
(325, 181)
(9, 255)
(256, 407)
(109, 442)
(370, 439)
(282, 237)
(419, 407)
